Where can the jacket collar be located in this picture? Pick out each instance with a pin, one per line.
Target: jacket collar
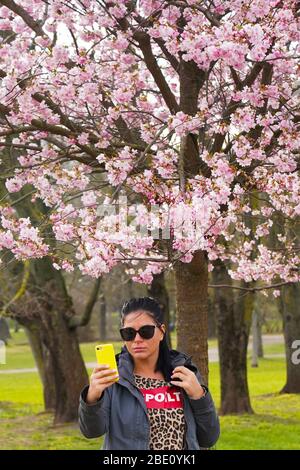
(126, 365)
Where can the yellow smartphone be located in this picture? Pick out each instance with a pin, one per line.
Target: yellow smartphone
(105, 354)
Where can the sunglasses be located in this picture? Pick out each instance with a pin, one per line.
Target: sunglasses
(146, 332)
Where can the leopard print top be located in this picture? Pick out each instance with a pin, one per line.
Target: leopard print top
(165, 410)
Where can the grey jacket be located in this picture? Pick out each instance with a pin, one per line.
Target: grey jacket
(121, 413)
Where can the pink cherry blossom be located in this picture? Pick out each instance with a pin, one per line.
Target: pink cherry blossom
(111, 105)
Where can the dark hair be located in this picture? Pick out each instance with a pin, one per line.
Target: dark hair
(152, 307)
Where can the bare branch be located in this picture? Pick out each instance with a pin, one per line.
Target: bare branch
(20, 11)
(74, 322)
(250, 289)
(150, 60)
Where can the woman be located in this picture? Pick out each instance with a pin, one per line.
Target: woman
(159, 401)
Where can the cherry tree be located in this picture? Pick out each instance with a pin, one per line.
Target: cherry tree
(180, 117)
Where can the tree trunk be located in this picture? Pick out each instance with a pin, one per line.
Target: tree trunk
(55, 312)
(69, 373)
(233, 325)
(191, 300)
(130, 289)
(159, 291)
(43, 362)
(211, 318)
(255, 334)
(4, 330)
(260, 347)
(257, 342)
(191, 279)
(102, 323)
(290, 311)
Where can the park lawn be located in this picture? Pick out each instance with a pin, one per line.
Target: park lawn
(276, 348)
(24, 424)
(275, 424)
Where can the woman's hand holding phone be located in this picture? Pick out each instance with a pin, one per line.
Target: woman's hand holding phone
(101, 378)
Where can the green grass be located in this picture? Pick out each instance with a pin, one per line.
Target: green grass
(21, 388)
(29, 428)
(276, 425)
(274, 348)
(276, 422)
(18, 357)
(24, 425)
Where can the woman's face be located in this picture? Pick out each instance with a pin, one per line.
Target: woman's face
(149, 346)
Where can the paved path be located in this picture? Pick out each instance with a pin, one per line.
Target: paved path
(213, 355)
